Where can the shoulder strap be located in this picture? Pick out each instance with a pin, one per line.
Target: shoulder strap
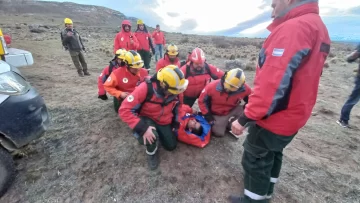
(150, 90)
(207, 68)
(187, 71)
(111, 66)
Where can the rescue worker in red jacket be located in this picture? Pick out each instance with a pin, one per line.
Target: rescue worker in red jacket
(220, 100)
(125, 39)
(123, 80)
(145, 43)
(285, 90)
(199, 73)
(116, 62)
(151, 110)
(159, 40)
(171, 57)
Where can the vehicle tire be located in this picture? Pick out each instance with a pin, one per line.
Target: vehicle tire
(7, 171)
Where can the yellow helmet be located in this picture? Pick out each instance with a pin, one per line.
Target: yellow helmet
(120, 53)
(172, 50)
(133, 59)
(234, 79)
(68, 21)
(140, 22)
(173, 79)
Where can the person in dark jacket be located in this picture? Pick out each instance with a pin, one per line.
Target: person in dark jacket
(355, 94)
(72, 42)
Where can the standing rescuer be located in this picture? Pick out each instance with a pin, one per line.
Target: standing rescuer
(123, 80)
(152, 111)
(159, 40)
(145, 43)
(125, 39)
(171, 57)
(116, 62)
(285, 90)
(71, 41)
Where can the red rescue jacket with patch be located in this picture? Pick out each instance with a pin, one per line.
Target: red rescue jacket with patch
(143, 38)
(288, 71)
(122, 80)
(165, 61)
(215, 101)
(198, 80)
(148, 101)
(159, 37)
(122, 39)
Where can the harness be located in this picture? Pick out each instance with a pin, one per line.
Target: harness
(188, 73)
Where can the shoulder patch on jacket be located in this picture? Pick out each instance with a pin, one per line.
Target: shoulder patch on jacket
(278, 52)
(130, 98)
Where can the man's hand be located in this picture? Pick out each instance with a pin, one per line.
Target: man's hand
(69, 34)
(149, 135)
(123, 95)
(237, 128)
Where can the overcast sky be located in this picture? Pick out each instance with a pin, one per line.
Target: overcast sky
(226, 16)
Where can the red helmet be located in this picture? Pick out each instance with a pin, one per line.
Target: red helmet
(197, 56)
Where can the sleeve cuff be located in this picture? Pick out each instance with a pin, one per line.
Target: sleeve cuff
(141, 128)
(243, 119)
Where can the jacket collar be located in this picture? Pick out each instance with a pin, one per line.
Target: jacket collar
(220, 88)
(296, 10)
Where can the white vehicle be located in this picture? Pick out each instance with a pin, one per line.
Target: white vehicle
(24, 116)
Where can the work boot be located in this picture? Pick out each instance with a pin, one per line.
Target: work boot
(236, 199)
(153, 161)
(81, 74)
(86, 73)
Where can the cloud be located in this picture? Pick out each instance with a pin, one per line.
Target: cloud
(172, 14)
(188, 25)
(263, 17)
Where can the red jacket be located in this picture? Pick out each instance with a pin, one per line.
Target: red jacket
(104, 76)
(161, 114)
(287, 76)
(197, 81)
(183, 110)
(165, 61)
(122, 80)
(143, 38)
(215, 101)
(159, 37)
(122, 39)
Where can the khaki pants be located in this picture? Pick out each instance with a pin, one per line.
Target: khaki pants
(78, 59)
(222, 122)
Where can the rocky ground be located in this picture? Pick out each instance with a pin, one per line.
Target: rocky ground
(89, 155)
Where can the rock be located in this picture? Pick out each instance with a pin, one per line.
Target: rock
(36, 28)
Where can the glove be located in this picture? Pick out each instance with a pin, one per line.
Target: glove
(210, 119)
(103, 97)
(175, 125)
